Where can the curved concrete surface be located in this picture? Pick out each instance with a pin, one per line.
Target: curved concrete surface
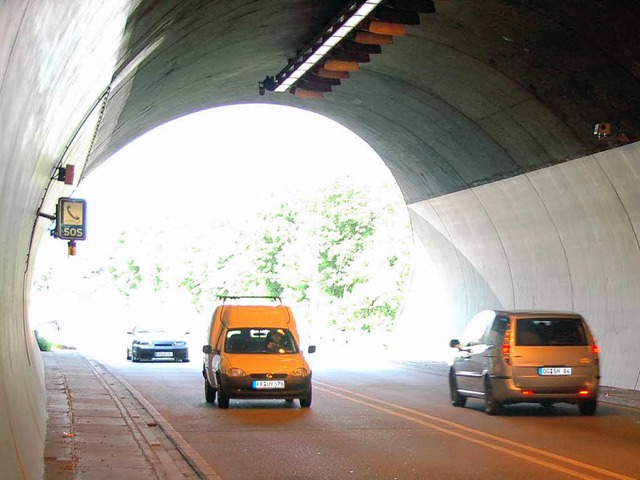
(560, 238)
(484, 113)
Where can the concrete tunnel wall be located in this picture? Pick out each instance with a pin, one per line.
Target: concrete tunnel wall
(560, 238)
(48, 82)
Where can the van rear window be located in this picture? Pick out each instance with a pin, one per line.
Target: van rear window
(550, 332)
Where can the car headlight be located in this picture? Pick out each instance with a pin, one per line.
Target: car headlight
(179, 344)
(235, 372)
(142, 343)
(300, 372)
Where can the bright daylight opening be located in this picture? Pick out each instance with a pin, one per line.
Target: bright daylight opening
(222, 202)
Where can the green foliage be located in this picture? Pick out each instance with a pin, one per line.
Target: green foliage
(333, 254)
(347, 224)
(43, 344)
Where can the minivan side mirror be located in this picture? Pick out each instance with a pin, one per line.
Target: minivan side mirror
(311, 349)
(207, 349)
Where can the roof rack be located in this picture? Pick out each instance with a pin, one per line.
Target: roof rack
(224, 298)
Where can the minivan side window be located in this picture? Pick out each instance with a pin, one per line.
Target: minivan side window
(550, 332)
(476, 330)
(495, 335)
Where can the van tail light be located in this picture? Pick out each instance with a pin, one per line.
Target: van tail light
(526, 393)
(583, 393)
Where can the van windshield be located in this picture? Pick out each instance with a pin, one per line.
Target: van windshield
(550, 332)
(260, 340)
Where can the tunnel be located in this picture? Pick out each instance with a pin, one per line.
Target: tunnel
(511, 128)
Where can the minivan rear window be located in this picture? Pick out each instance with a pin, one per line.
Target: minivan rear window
(550, 332)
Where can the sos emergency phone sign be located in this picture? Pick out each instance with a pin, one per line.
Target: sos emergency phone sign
(71, 219)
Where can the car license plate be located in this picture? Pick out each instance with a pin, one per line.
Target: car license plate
(260, 384)
(164, 354)
(554, 371)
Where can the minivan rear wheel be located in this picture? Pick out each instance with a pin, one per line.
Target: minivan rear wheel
(491, 405)
(588, 407)
(457, 399)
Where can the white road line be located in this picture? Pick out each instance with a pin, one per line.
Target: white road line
(469, 434)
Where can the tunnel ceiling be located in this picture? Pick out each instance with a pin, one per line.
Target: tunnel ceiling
(477, 91)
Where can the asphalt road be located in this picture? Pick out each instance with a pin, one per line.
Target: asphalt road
(386, 420)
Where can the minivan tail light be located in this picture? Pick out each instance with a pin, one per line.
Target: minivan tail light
(526, 393)
(506, 353)
(506, 347)
(595, 350)
(583, 393)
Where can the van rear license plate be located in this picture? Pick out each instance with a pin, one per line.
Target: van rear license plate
(259, 384)
(554, 371)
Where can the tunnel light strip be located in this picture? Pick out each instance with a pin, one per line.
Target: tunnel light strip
(317, 54)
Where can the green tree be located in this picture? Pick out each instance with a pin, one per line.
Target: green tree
(347, 226)
(332, 252)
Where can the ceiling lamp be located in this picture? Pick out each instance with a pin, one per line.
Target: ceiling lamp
(339, 50)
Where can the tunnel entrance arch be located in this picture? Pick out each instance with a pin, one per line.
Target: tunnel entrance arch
(246, 199)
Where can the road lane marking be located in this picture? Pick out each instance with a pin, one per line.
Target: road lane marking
(411, 415)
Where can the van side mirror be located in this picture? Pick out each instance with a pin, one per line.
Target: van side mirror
(455, 343)
(207, 349)
(311, 349)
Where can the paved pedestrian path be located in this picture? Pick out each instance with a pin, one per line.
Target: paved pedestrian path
(99, 429)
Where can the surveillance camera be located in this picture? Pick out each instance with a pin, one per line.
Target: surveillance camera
(602, 129)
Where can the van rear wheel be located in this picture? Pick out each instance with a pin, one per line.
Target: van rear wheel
(491, 405)
(457, 399)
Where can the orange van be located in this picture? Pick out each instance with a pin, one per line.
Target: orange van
(253, 352)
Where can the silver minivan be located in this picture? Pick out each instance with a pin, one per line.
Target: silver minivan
(508, 357)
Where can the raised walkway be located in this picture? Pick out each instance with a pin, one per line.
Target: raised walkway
(100, 428)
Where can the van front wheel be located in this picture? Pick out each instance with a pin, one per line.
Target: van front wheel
(456, 399)
(588, 407)
(305, 402)
(491, 405)
(209, 392)
(223, 399)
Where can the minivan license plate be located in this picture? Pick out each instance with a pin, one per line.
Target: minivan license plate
(554, 371)
(258, 384)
